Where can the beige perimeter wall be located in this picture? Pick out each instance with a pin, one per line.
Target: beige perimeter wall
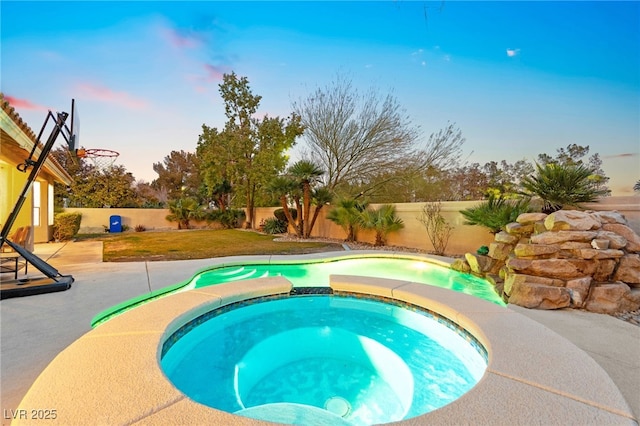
(464, 238)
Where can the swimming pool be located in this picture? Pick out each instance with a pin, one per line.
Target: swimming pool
(333, 359)
(315, 271)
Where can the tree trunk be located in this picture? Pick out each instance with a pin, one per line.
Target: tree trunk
(287, 213)
(306, 198)
(313, 221)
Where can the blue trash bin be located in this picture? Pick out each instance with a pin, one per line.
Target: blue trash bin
(115, 223)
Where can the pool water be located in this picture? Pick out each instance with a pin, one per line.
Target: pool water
(303, 273)
(325, 359)
(317, 274)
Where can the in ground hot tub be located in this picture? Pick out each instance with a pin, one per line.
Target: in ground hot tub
(323, 358)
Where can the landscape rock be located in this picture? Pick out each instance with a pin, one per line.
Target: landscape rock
(610, 217)
(535, 250)
(604, 270)
(629, 270)
(615, 241)
(461, 265)
(504, 237)
(579, 290)
(600, 244)
(607, 298)
(531, 218)
(479, 263)
(583, 259)
(515, 228)
(571, 220)
(539, 296)
(563, 269)
(633, 239)
(500, 251)
(563, 237)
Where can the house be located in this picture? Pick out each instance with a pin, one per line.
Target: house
(16, 142)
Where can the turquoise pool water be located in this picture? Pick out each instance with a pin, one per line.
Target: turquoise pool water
(317, 274)
(323, 359)
(305, 273)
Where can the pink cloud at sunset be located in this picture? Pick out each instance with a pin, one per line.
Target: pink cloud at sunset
(105, 94)
(24, 104)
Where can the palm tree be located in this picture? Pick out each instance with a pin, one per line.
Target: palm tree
(320, 197)
(283, 186)
(306, 173)
(559, 185)
(383, 221)
(184, 210)
(496, 212)
(347, 215)
(636, 187)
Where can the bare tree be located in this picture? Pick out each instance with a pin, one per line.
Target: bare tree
(360, 139)
(354, 136)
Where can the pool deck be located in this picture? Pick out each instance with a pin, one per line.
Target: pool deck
(546, 367)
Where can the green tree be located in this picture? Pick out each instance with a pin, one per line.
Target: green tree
(562, 185)
(184, 210)
(383, 221)
(346, 214)
(248, 152)
(113, 187)
(178, 175)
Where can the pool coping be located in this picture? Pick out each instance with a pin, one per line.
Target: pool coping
(112, 375)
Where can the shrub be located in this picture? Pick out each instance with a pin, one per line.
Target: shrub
(496, 212)
(66, 225)
(184, 210)
(273, 225)
(229, 219)
(279, 214)
(438, 229)
(140, 228)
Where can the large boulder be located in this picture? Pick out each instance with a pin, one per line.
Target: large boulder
(563, 269)
(633, 239)
(500, 251)
(629, 270)
(563, 237)
(607, 298)
(540, 296)
(571, 220)
(531, 218)
(504, 237)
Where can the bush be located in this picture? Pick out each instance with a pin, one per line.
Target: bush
(229, 219)
(273, 225)
(66, 225)
(279, 214)
(496, 212)
(140, 228)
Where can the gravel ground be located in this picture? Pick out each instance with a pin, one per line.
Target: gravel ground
(632, 317)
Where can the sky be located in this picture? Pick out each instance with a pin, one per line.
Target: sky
(518, 78)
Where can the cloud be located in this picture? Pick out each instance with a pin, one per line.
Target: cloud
(179, 40)
(623, 155)
(512, 52)
(214, 73)
(25, 104)
(105, 94)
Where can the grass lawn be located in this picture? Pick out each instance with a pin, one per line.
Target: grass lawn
(197, 244)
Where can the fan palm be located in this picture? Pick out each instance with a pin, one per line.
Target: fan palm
(306, 173)
(347, 215)
(383, 221)
(562, 185)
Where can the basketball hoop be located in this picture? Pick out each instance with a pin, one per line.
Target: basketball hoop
(102, 159)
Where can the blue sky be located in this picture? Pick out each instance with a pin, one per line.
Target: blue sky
(519, 78)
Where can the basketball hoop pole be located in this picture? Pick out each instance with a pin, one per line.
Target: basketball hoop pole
(40, 264)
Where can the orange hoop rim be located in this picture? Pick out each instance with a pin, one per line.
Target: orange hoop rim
(97, 152)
